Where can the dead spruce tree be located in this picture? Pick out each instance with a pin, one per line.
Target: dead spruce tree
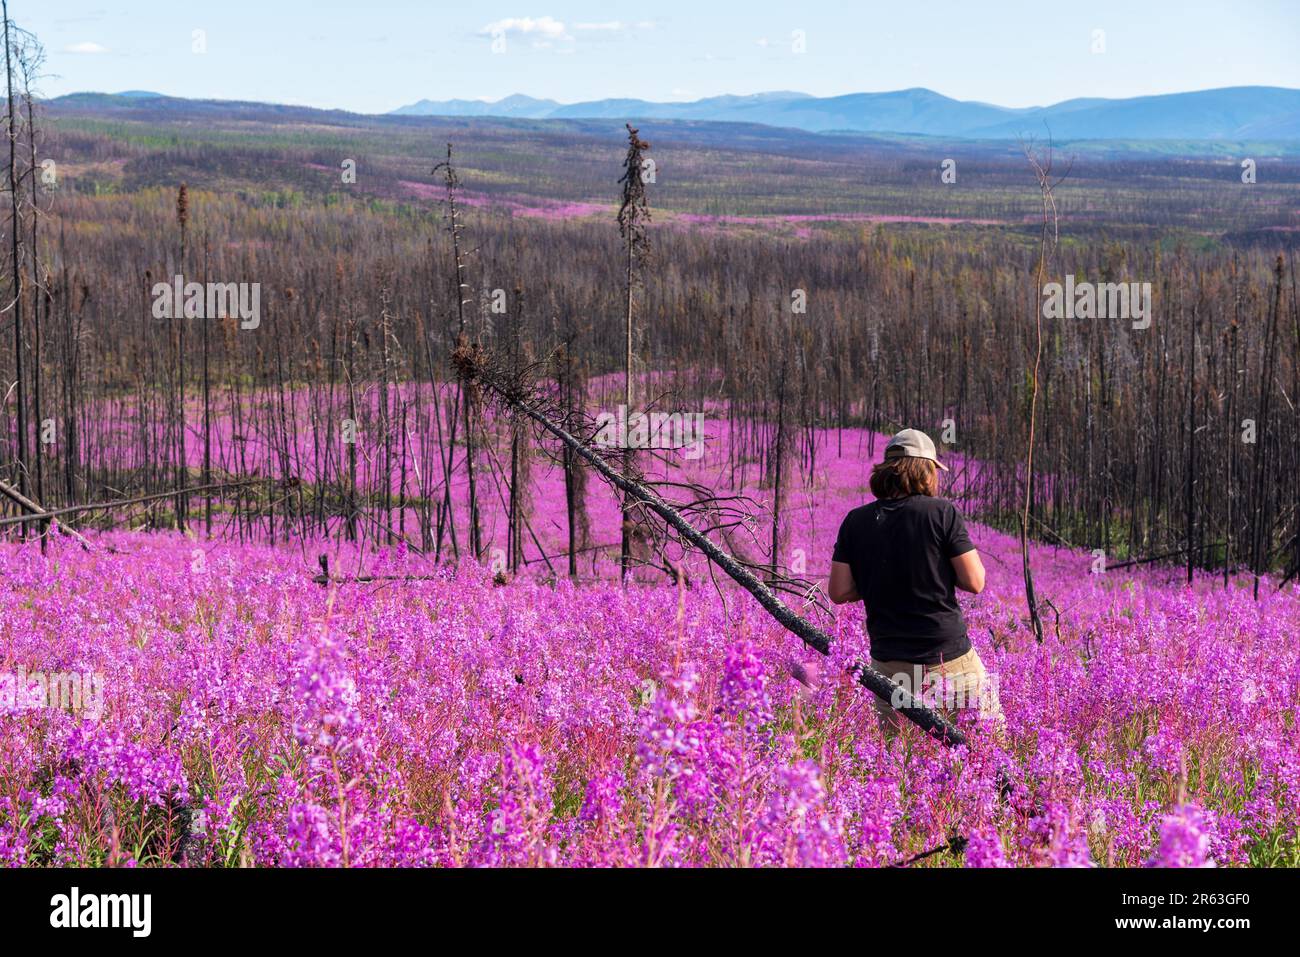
(633, 214)
(1042, 167)
(31, 56)
(1260, 534)
(460, 289)
(15, 275)
(182, 221)
(520, 449)
(570, 376)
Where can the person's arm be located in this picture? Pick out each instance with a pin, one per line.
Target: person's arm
(965, 560)
(970, 571)
(842, 588)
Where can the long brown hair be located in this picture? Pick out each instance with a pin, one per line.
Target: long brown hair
(904, 475)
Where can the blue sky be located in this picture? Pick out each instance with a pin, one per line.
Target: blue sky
(375, 55)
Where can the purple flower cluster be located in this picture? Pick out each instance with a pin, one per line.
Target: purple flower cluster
(1184, 839)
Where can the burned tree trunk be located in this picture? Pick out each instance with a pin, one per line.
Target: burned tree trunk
(632, 216)
(16, 278)
(459, 285)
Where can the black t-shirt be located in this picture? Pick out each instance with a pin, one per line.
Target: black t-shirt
(900, 551)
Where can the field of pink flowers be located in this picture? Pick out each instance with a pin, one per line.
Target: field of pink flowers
(252, 717)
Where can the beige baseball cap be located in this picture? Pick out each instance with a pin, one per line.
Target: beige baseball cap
(914, 443)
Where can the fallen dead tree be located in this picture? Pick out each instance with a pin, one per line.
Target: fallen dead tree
(473, 365)
(38, 514)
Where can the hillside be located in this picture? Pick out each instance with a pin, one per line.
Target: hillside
(1235, 113)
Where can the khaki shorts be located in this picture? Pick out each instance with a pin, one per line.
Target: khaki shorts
(950, 687)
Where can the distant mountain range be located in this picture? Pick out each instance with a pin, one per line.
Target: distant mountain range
(1231, 113)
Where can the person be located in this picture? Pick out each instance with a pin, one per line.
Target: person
(904, 555)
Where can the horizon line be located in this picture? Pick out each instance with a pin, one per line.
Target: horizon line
(795, 93)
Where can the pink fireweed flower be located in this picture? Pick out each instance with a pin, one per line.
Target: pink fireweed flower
(1185, 837)
(1066, 845)
(1164, 751)
(328, 718)
(984, 849)
(110, 757)
(603, 800)
(796, 826)
(516, 828)
(744, 685)
(309, 840)
(669, 737)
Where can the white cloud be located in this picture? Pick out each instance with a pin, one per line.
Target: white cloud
(542, 29)
(548, 33)
(85, 47)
